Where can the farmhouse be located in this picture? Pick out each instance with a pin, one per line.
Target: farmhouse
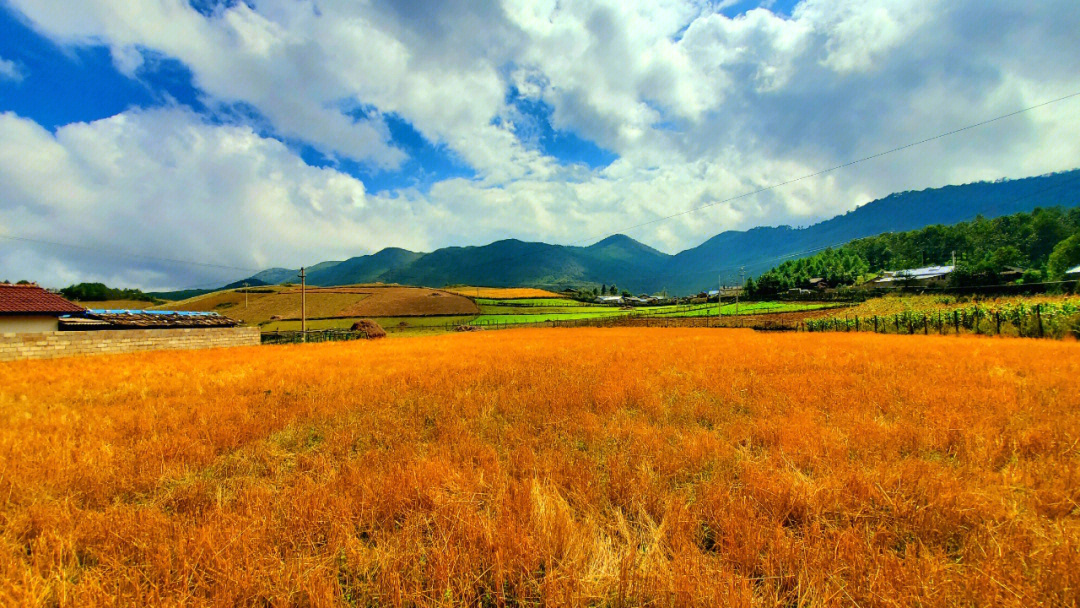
(1073, 273)
(609, 299)
(32, 309)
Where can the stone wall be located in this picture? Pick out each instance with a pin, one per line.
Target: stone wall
(53, 344)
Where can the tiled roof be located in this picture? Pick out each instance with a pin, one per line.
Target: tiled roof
(31, 299)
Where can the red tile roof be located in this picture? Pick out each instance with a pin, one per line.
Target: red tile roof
(31, 299)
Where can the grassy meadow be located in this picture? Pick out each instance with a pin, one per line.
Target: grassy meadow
(603, 467)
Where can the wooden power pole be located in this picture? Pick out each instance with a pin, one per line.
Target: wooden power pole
(738, 289)
(303, 302)
(719, 290)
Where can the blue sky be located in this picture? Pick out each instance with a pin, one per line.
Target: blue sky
(80, 83)
(285, 132)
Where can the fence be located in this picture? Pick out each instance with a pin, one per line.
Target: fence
(324, 335)
(1039, 321)
(730, 321)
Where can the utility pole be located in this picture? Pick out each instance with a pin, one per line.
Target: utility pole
(245, 295)
(954, 259)
(719, 288)
(738, 289)
(303, 302)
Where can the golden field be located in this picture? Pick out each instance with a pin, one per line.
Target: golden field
(605, 467)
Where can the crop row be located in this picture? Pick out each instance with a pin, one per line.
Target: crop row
(1049, 320)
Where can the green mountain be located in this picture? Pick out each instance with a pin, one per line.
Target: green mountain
(362, 269)
(632, 265)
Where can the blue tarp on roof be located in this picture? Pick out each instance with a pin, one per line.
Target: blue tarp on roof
(183, 313)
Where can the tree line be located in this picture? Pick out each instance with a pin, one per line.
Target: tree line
(99, 292)
(1042, 244)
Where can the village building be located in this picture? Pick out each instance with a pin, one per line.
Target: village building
(32, 309)
(91, 320)
(1073, 273)
(609, 299)
(914, 276)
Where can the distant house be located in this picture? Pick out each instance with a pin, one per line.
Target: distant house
(1073, 273)
(32, 309)
(609, 299)
(917, 276)
(818, 283)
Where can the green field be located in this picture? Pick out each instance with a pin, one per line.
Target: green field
(554, 316)
(744, 308)
(393, 325)
(509, 312)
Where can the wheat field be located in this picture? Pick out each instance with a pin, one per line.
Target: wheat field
(605, 467)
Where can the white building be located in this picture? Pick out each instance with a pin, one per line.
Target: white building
(922, 275)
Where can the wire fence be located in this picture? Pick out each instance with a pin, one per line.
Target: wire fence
(321, 335)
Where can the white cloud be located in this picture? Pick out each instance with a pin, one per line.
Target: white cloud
(698, 107)
(164, 183)
(9, 70)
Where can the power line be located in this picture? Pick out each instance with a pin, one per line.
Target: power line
(626, 229)
(849, 163)
(804, 252)
(599, 237)
(118, 253)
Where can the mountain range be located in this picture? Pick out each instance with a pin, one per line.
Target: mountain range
(632, 265)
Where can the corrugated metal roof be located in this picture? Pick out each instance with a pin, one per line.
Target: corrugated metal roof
(31, 299)
(1073, 270)
(151, 319)
(916, 274)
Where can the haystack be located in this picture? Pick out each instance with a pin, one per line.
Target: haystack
(369, 328)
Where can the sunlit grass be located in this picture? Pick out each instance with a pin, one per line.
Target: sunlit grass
(559, 467)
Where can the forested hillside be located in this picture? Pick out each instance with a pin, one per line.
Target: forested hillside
(1043, 243)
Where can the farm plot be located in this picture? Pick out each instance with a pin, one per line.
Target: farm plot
(559, 467)
(504, 293)
(743, 308)
(265, 305)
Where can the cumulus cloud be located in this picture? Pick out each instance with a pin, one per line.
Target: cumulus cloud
(698, 108)
(164, 183)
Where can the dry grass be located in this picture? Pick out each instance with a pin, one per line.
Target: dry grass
(264, 303)
(555, 467)
(410, 301)
(503, 293)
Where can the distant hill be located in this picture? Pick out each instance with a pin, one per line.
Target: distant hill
(632, 265)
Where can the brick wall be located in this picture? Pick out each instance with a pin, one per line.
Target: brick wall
(52, 344)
